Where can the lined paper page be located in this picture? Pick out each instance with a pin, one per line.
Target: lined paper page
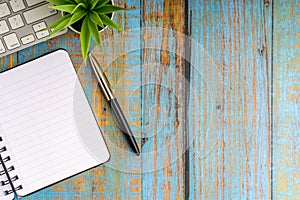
(45, 118)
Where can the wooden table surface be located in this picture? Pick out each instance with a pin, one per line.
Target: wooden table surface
(212, 92)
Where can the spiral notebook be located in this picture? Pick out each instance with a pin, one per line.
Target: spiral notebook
(47, 129)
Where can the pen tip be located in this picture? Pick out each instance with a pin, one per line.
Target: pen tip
(137, 151)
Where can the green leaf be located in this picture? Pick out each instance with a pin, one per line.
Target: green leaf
(101, 3)
(65, 8)
(95, 33)
(78, 6)
(96, 19)
(85, 37)
(77, 16)
(107, 21)
(109, 9)
(59, 21)
(93, 3)
(61, 26)
(60, 2)
(82, 1)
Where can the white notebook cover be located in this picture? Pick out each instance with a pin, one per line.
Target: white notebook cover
(47, 124)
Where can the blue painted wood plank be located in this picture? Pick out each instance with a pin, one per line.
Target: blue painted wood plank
(286, 95)
(163, 98)
(8, 62)
(236, 37)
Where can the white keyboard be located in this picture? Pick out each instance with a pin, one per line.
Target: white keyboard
(22, 23)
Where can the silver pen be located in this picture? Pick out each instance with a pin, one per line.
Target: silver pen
(110, 97)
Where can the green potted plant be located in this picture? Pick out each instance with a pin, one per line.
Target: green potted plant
(85, 16)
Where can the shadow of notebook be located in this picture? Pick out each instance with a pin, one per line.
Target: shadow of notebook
(47, 128)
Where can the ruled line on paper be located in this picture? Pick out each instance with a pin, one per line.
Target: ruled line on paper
(39, 74)
(26, 90)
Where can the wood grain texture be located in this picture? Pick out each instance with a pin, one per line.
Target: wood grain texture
(123, 178)
(8, 62)
(163, 101)
(237, 35)
(286, 98)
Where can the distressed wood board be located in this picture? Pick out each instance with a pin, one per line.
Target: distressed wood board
(286, 100)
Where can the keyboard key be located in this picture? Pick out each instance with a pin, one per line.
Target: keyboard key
(42, 34)
(17, 5)
(11, 41)
(4, 10)
(2, 49)
(33, 2)
(27, 39)
(16, 21)
(3, 27)
(39, 13)
(39, 26)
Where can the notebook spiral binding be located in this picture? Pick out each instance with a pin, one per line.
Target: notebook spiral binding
(6, 170)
